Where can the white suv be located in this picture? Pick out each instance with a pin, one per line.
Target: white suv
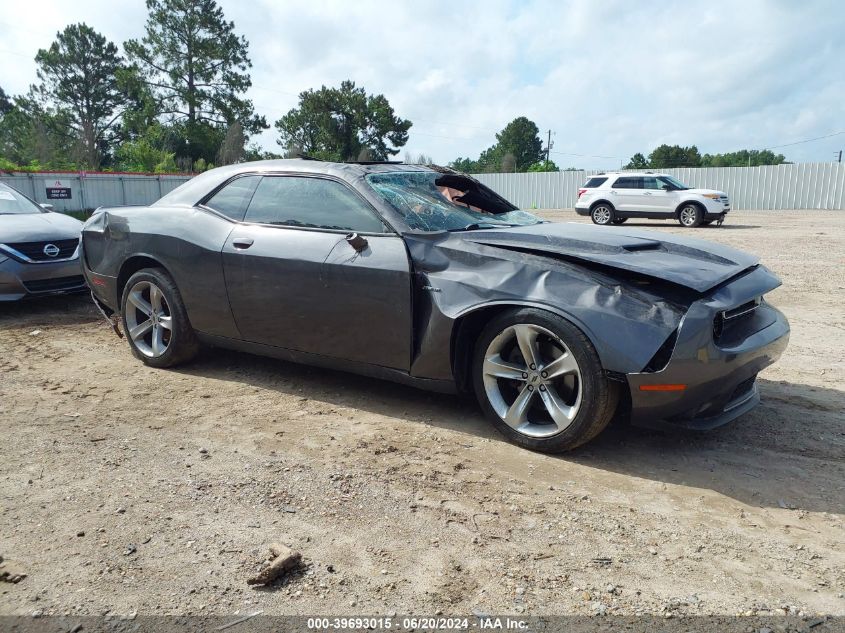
(612, 198)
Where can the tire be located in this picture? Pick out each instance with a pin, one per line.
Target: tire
(602, 214)
(691, 215)
(151, 292)
(582, 398)
(620, 220)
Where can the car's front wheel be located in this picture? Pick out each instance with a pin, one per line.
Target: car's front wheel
(691, 216)
(602, 214)
(540, 381)
(155, 321)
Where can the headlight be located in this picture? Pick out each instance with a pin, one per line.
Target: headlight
(712, 196)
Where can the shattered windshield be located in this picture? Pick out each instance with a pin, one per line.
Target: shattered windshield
(431, 201)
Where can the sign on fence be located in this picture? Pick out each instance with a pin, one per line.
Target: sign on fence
(58, 189)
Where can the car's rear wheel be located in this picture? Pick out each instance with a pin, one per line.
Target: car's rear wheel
(602, 214)
(155, 321)
(540, 381)
(690, 216)
(620, 220)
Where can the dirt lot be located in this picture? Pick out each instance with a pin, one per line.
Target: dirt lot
(128, 489)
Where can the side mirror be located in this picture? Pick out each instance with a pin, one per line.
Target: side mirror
(47, 207)
(666, 187)
(357, 242)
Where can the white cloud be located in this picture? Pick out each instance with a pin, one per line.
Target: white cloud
(610, 78)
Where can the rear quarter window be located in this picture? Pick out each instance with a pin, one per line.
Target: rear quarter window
(592, 183)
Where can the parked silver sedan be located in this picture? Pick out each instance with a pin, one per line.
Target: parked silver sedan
(39, 249)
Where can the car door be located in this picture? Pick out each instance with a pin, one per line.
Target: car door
(313, 268)
(627, 193)
(657, 201)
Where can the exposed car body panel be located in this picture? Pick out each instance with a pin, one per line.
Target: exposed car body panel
(714, 368)
(458, 275)
(394, 308)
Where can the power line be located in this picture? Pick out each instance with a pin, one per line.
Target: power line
(808, 140)
(584, 155)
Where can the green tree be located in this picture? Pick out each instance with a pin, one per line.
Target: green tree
(517, 147)
(465, 165)
(32, 136)
(83, 76)
(544, 165)
(520, 138)
(743, 158)
(145, 153)
(232, 149)
(339, 123)
(6, 104)
(668, 156)
(197, 67)
(638, 161)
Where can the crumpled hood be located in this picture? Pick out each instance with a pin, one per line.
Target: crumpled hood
(37, 227)
(689, 262)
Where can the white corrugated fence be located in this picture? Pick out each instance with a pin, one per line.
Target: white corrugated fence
(797, 186)
(92, 190)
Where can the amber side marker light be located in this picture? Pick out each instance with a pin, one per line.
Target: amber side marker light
(662, 387)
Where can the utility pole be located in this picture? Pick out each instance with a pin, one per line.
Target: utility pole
(840, 156)
(549, 146)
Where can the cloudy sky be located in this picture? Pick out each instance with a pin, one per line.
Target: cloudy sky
(608, 77)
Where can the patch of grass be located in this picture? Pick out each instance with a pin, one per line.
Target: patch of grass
(79, 215)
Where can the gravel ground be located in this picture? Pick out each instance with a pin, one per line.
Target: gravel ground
(128, 489)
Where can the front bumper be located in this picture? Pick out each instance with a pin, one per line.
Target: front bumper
(715, 209)
(718, 374)
(19, 280)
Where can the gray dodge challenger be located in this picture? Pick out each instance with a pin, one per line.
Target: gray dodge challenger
(424, 276)
(39, 249)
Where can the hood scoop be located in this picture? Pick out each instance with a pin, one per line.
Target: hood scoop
(645, 246)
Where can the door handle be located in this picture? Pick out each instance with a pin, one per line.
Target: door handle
(242, 243)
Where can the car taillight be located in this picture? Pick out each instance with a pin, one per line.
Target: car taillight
(581, 191)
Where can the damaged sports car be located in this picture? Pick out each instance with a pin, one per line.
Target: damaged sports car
(426, 277)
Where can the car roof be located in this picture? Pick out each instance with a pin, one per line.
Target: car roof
(629, 173)
(195, 189)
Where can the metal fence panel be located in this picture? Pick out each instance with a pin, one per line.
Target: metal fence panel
(89, 191)
(794, 186)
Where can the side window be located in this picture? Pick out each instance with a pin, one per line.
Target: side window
(652, 183)
(233, 199)
(628, 182)
(592, 183)
(311, 202)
